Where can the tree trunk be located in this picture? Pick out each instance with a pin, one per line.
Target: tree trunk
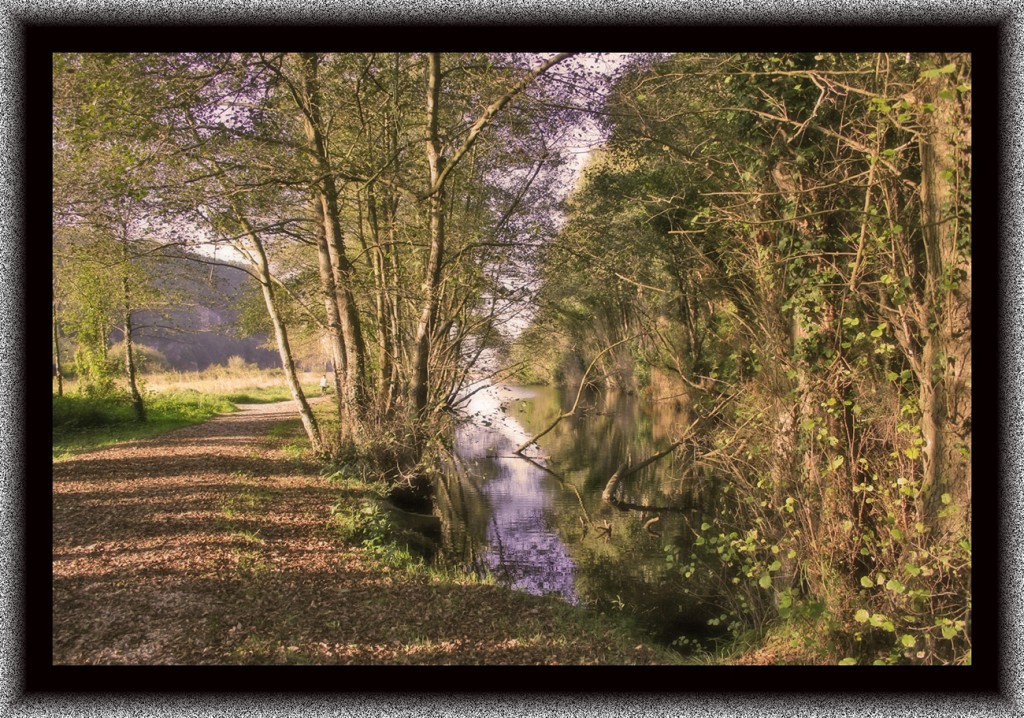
(327, 193)
(284, 349)
(138, 407)
(432, 275)
(56, 353)
(334, 334)
(383, 300)
(945, 366)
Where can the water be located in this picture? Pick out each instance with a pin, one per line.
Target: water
(537, 522)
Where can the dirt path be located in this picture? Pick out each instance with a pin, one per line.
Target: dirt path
(153, 540)
(212, 544)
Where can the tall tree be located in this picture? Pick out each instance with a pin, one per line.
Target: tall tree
(440, 168)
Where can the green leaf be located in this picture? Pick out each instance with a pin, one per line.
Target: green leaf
(765, 581)
(895, 586)
(946, 499)
(866, 582)
(908, 641)
(848, 662)
(948, 632)
(861, 616)
(775, 566)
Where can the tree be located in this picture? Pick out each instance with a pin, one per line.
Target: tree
(805, 222)
(440, 168)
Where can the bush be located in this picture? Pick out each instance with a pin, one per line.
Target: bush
(239, 364)
(80, 411)
(147, 359)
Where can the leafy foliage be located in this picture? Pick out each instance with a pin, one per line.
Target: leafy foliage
(767, 226)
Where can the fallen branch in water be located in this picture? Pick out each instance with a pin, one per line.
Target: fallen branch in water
(564, 483)
(627, 469)
(579, 393)
(650, 522)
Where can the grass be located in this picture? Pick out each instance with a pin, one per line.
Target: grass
(81, 423)
(173, 400)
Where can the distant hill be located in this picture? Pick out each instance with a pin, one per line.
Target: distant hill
(201, 331)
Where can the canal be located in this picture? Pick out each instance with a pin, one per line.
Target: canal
(537, 522)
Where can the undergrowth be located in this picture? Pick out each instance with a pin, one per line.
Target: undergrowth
(82, 423)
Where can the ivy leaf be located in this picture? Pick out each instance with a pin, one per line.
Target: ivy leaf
(866, 582)
(861, 616)
(848, 662)
(765, 581)
(895, 586)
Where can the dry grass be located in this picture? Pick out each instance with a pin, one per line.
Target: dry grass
(217, 380)
(220, 380)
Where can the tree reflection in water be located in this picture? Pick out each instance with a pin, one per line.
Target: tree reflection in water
(521, 547)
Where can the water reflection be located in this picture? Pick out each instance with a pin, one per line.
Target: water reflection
(522, 548)
(541, 525)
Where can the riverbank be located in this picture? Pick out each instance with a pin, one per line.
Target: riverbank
(216, 544)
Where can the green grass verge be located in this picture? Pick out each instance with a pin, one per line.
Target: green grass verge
(81, 423)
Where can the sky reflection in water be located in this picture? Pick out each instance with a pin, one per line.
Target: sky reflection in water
(524, 551)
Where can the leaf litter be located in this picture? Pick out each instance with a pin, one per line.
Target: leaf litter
(211, 545)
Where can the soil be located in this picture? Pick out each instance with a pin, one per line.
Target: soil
(213, 544)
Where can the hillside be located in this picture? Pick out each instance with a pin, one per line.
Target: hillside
(204, 331)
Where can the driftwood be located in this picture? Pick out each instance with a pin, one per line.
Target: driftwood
(627, 468)
(650, 522)
(579, 393)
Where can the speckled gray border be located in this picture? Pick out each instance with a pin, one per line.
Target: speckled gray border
(13, 390)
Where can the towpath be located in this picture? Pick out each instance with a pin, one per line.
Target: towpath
(213, 544)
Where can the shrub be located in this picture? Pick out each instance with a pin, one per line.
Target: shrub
(81, 411)
(238, 364)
